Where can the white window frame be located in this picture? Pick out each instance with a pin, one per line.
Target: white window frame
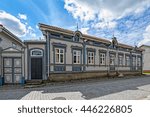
(127, 60)
(133, 61)
(139, 62)
(102, 60)
(59, 56)
(112, 58)
(77, 53)
(120, 60)
(91, 57)
(32, 55)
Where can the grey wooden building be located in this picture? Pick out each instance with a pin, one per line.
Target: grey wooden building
(64, 55)
(73, 55)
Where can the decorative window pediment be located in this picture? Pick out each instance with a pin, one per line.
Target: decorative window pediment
(77, 36)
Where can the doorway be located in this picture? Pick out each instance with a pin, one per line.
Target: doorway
(36, 68)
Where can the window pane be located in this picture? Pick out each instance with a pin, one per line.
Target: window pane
(61, 58)
(56, 51)
(74, 59)
(78, 59)
(61, 51)
(74, 53)
(57, 58)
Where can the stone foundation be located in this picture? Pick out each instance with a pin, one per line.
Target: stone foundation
(86, 75)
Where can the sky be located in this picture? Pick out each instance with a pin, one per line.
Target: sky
(127, 20)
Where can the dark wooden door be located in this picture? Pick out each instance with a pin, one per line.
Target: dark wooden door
(36, 68)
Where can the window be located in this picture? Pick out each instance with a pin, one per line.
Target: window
(59, 55)
(76, 56)
(120, 60)
(67, 37)
(127, 61)
(77, 37)
(90, 57)
(134, 61)
(102, 58)
(112, 59)
(55, 34)
(139, 61)
(36, 52)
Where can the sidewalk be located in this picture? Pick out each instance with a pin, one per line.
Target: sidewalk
(147, 98)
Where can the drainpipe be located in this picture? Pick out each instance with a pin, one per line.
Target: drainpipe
(108, 61)
(48, 54)
(23, 65)
(84, 55)
(142, 62)
(130, 61)
(117, 62)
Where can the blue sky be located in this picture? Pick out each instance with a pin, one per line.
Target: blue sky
(128, 20)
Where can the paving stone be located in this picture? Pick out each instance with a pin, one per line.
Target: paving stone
(114, 89)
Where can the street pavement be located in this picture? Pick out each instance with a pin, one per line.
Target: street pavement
(133, 88)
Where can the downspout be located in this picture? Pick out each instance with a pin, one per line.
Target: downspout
(48, 54)
(108, 61)
(142, 62)
(130, 61)
(117, 62)
(84, 55)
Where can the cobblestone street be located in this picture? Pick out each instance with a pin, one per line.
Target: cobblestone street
(115, 89)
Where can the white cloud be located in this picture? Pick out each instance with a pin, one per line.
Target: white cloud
(104, 10)
(12, 23)
(101, 25)
(105, 17)
(146, 37)
(84, 30)
(15, 25)
(81, 11)
(22, 16)
(37, 27)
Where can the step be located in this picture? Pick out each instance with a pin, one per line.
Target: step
(33, 86)
(33, 82)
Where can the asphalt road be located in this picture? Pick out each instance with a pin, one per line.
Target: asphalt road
(134, 88)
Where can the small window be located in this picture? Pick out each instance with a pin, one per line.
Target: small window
(55, 34)
(76, 56)
(36, 53)
(59, 55)
(77, 38)
(67, 37)
(102, 58)
(90, 57)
